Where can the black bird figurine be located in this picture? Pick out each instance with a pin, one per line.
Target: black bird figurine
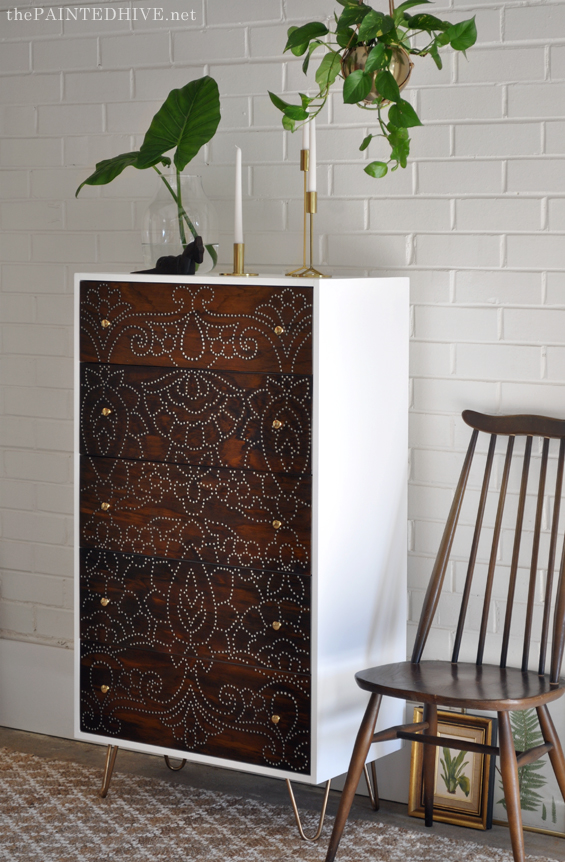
(180, 264)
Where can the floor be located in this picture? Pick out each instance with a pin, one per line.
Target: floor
(267, 789)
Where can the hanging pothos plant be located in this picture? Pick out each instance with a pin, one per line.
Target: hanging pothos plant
(370, 51)
(187, 119)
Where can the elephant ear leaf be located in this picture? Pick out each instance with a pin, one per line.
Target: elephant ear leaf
(108, 169)
(187, 120)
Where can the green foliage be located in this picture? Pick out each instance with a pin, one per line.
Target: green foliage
(527, 734)
(452, 772)
(187, 120)
(359, 25)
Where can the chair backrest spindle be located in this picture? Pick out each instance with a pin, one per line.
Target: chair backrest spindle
(438, 574)
(551, 559)
(474, 549)
(494, 548)
(535, 554)
(516, 552)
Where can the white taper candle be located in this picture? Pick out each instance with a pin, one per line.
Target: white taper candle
(238, 229)
(312, 171)
(306, 136)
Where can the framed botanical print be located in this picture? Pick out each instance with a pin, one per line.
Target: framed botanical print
(464, 781)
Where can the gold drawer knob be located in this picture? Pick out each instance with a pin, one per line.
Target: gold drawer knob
(105, 323)
(279, 330)
(104, 506)
(104, 602)
(104, 689)
(275, 719)
(277, 424)
(276, 625)
(106, 411)
(277, 524)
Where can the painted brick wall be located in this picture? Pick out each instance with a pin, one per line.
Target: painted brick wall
(477, 220)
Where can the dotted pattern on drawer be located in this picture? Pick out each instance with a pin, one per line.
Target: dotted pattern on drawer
(193, 416)
(201, 326)
(196, 705)
(196, 513)
(234, 615)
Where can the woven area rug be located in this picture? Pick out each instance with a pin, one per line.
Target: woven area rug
(50, 812)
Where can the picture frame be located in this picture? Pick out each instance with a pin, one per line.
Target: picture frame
(464, 781)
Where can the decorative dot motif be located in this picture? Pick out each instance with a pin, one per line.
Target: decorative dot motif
(197, 417)
(198, 325)
(195, 427)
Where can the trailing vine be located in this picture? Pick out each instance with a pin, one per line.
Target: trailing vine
(368, 50)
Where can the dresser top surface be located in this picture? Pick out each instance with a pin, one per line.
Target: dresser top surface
(268, 279)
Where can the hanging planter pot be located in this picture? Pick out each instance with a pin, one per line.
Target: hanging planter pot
(400, 68)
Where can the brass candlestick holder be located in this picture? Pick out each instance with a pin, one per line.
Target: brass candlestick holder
(239, 262)
(308, 270)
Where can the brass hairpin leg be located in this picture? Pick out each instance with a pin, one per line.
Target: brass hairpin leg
(111, 754)
(372, 787)
(297, 815)
(174, 768)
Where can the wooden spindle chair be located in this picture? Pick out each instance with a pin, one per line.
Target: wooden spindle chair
(477, 685)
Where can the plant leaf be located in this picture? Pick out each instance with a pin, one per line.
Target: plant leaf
(387, 86)
(366, 142)
(300, 37)
(376, 58)
(346, 38)
(352, 15)
(461, 36)
(311, 48)
(464, 784)
(376, 169)
(293, 112)
(187, 120)
(357, 87)
(423, 21)
(288, 124)
(371, 25)
(402, 114)
(400, 10)
(434, 54)
(109, 169)
(328, 70)
(277, 101)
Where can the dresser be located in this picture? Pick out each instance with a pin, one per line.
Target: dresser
(240, 523)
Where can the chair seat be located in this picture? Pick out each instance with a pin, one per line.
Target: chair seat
(461, 685)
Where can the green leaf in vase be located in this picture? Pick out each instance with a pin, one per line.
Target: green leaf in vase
(187, 120)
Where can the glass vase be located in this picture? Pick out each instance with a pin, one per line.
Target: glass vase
(180, 211)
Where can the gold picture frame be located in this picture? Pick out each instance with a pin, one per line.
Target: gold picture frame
(464, 781)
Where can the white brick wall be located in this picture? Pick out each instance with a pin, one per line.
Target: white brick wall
(477, 221)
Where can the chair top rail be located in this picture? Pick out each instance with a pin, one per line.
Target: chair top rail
(527, 424)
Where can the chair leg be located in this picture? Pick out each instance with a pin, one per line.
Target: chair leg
(429, 771)
(556, 756)
(509, 771)
(360, 751)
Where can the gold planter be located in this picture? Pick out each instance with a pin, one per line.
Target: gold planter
(400, 67)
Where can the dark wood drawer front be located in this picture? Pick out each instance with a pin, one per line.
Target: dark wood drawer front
(228, 517)
(186, 416)
(235, 615)
(195, 705)
(198, 326)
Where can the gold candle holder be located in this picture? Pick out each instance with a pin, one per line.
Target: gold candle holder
(308, 270)
(239, 262)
